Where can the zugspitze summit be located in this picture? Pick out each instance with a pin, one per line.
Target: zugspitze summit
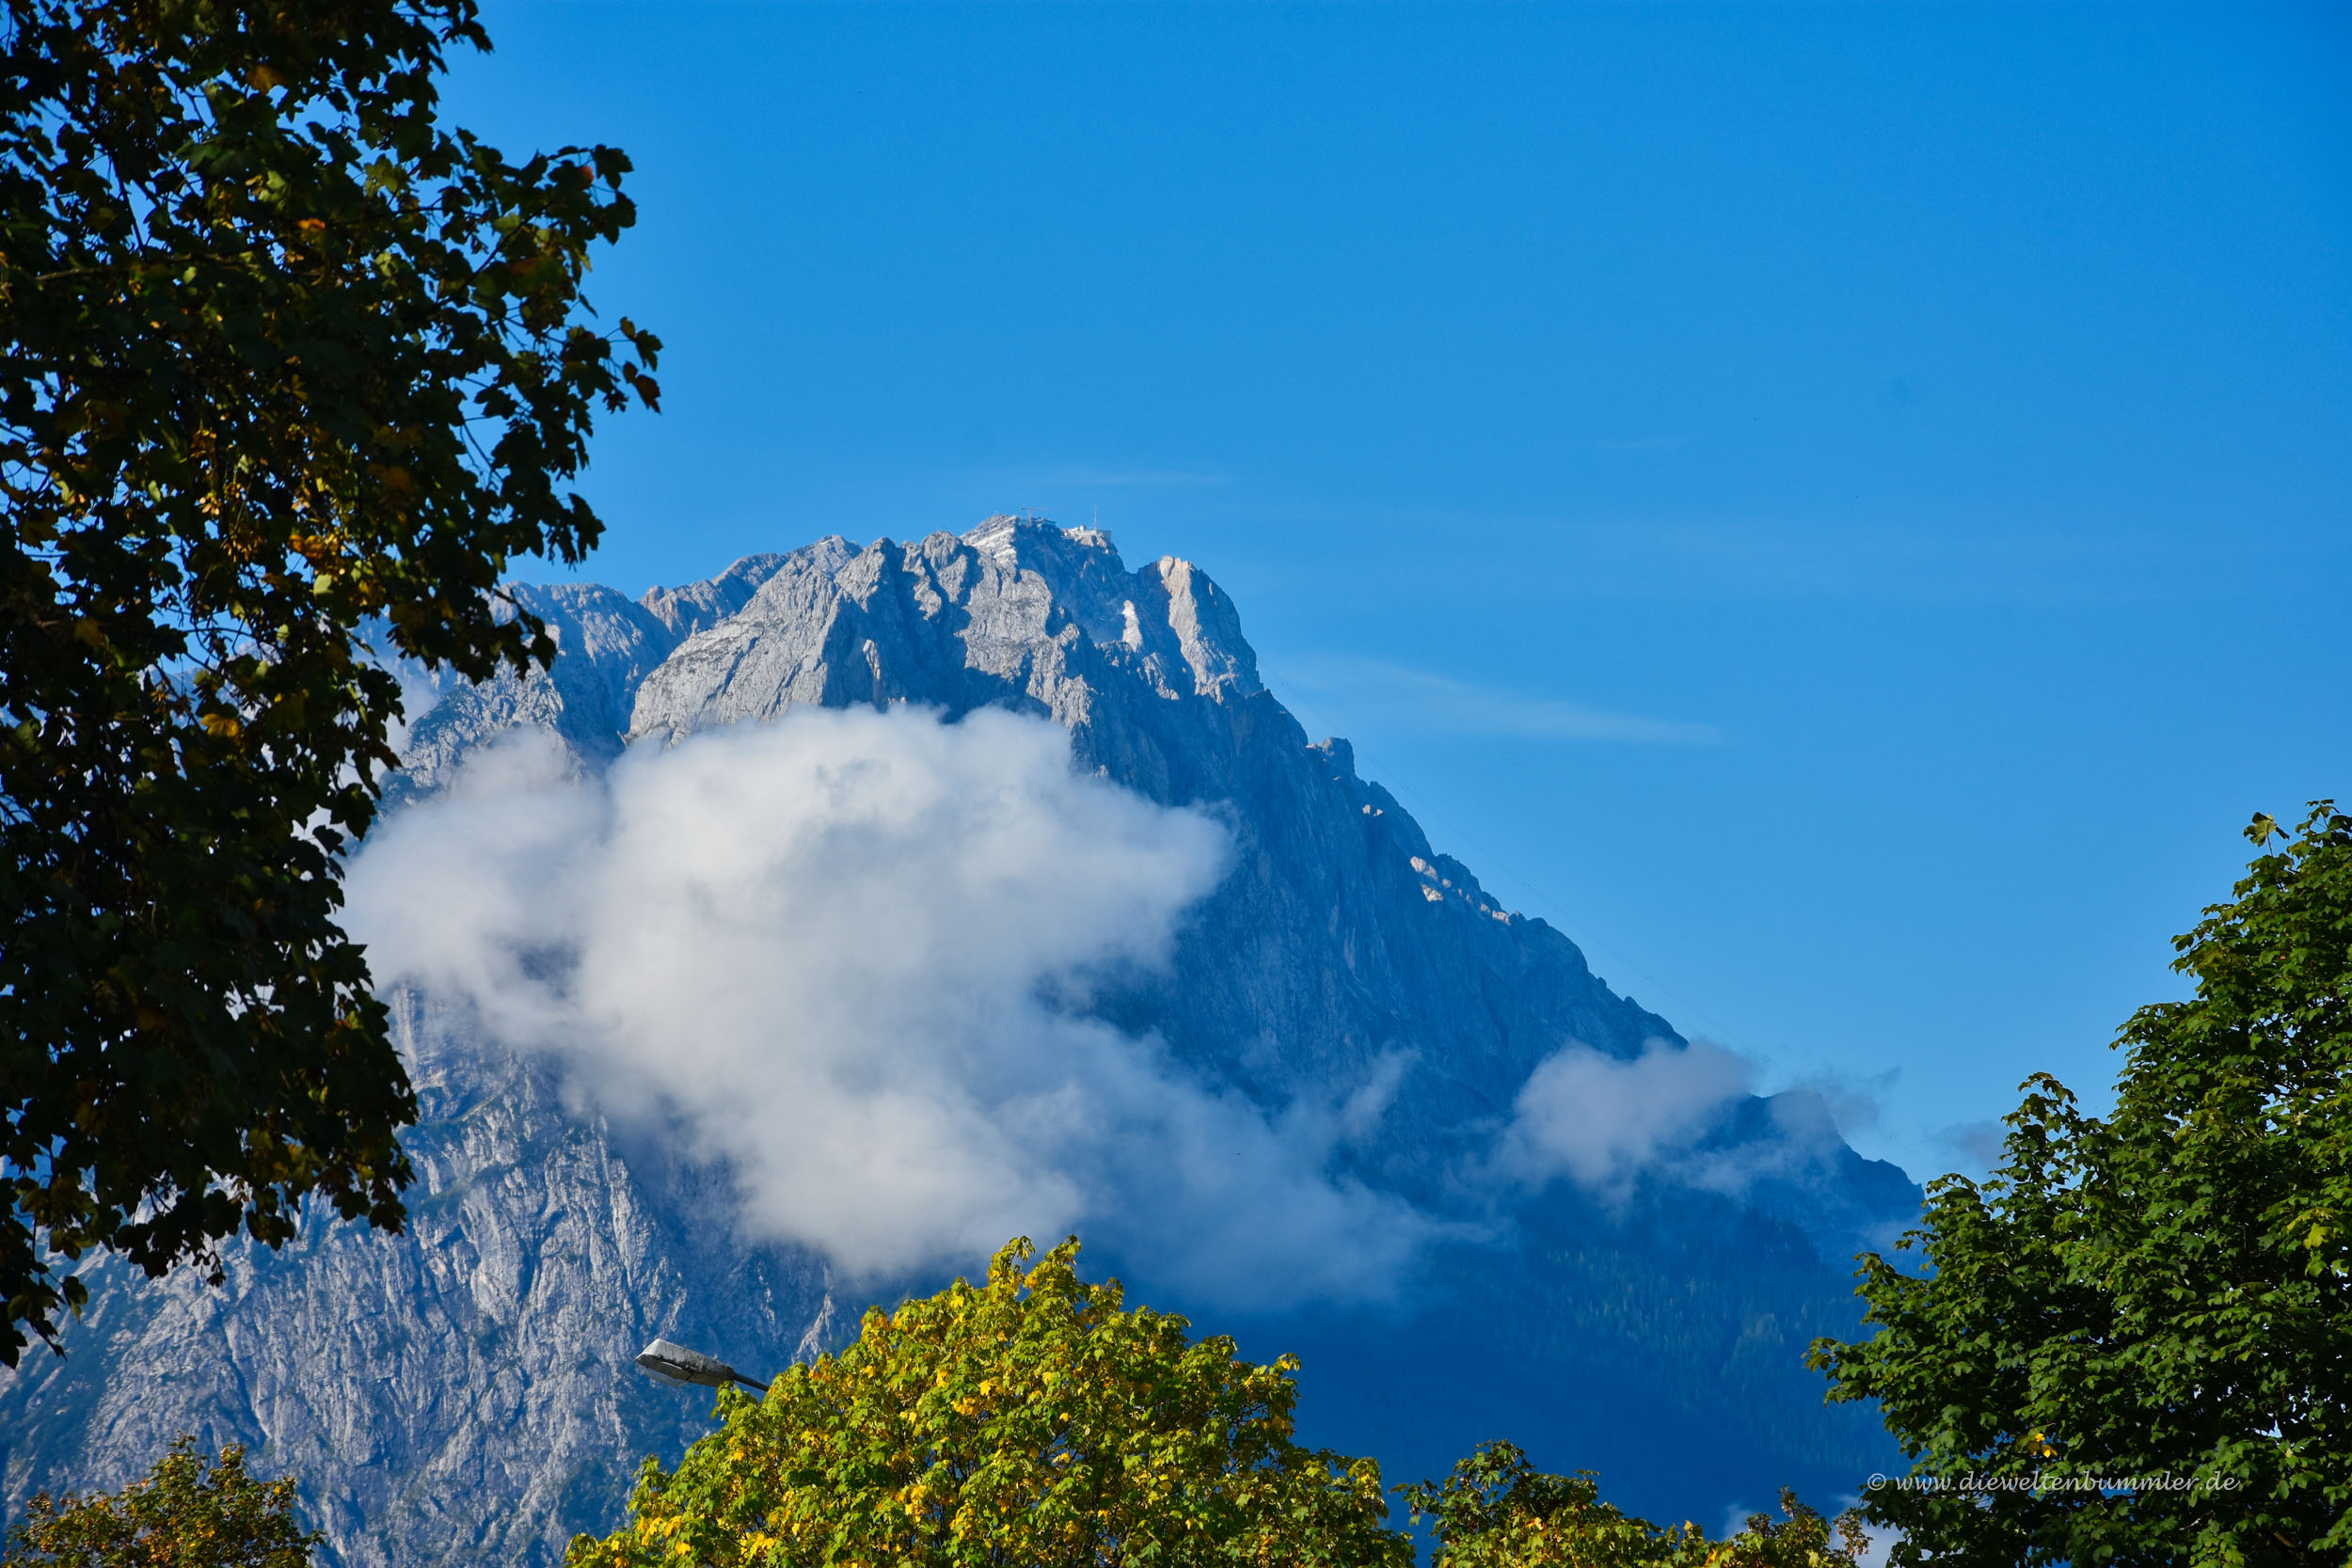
(806, 932)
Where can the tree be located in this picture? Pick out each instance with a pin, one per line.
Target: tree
(2160, 1300)
(280, 356)
(1032, 1420)
(189, 1512)
(1498, 1511)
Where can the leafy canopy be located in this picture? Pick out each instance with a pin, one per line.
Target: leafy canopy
(1498, 1511)
(2163, 1295)
(189, 1512)
(1032, 1419)
(280, 356)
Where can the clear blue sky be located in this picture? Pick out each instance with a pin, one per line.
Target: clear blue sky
(1843, 509)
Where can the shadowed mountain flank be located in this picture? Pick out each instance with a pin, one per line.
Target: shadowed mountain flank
(464, 1389)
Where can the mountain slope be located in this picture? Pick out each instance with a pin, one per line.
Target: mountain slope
(1339, 937)
(464, 1388)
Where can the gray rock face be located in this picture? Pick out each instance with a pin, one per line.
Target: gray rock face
(459, 1393)
(1341, 937)
(463, 1391)
(607, 647)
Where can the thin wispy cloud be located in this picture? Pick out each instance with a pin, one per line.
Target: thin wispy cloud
(1419, 700)
(1854, 1102)
(1975, 1146)
(1751, 558)
(1944, 558)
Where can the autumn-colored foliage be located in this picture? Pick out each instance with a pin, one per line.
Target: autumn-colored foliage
(1031, 1419)
(189, 1512)
(1035, 1420)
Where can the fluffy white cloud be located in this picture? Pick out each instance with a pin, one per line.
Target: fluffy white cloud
(847, 951)
(1679, 1113)
(1600, 1120)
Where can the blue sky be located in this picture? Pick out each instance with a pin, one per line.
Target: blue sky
(1842, 509)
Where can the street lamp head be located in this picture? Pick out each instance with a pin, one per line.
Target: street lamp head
(676, 1364)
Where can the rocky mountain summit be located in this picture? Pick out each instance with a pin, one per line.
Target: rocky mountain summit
(463, 1390)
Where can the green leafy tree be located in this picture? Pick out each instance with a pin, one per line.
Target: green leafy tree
(280, 355)
(1029, 1420)
(2161, 1298)
(189, 1512)
(1498, 1511)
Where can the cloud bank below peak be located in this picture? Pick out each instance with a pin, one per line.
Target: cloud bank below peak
(848, 953)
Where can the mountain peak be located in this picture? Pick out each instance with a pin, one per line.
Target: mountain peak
(1346, 981)
(1000, 534)
(1019, 612)
(689, 609)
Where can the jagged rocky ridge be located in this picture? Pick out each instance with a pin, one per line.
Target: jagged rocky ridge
(463, 1391)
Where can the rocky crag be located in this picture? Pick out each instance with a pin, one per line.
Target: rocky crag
(463, 1391)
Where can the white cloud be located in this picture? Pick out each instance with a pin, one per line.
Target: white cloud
(1803, 1147)
(1682, 1114)
(1601, 1120)
(843, 951)
(1439, 705)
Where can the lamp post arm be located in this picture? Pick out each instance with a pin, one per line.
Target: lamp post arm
(676, 1364)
